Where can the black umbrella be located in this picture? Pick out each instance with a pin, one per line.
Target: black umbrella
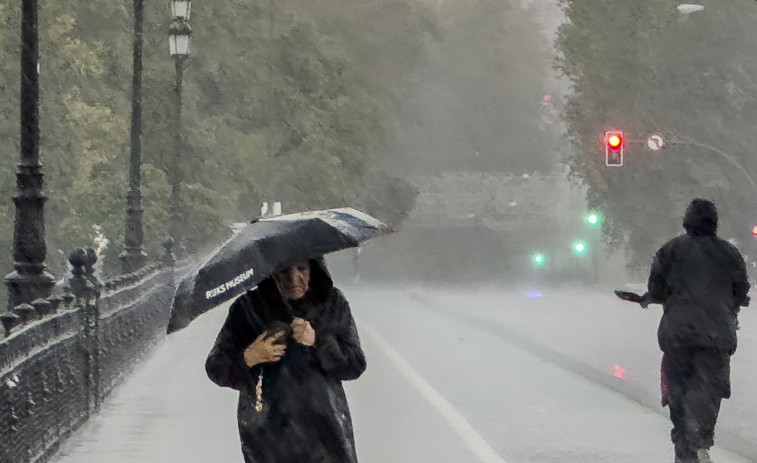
(642, 299)
(262, 248)
(630, 296)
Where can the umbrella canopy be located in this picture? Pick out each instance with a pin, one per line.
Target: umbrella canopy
(264, 247)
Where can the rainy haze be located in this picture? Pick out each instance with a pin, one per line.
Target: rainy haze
(387, 231)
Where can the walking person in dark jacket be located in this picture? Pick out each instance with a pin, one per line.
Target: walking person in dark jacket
(286, 347)
(701, 281)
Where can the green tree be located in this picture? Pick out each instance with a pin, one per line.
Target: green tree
(278, 105)
(642, 67)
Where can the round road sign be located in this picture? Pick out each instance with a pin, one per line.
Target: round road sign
(655, 142)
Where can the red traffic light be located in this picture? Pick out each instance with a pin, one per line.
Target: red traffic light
(614, 139)
(754, 230)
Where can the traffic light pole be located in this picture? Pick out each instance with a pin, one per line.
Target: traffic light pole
(711, 149)
(720, 153)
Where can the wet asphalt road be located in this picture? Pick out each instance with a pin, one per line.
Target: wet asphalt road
(494, 377)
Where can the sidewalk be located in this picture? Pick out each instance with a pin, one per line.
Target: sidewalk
(168, 411)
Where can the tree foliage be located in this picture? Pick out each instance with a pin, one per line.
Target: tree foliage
(642, 67)
(282, 102)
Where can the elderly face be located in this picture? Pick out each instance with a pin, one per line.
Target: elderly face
(294, 281)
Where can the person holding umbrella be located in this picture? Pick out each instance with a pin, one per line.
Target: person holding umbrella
(289, 340)
(701, 281)
(287, 346)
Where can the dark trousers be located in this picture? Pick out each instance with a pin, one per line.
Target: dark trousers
(698, 380)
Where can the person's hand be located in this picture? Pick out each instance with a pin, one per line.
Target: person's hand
(267, 348)
(646, 299)
(302, 332)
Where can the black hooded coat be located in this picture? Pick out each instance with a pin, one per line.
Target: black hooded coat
(305, 416)
(701, 281)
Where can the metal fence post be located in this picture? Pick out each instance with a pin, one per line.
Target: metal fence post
(86, 296)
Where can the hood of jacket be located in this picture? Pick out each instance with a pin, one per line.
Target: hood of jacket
(701, 218)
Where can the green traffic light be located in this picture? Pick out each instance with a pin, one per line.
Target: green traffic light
(593, 219)
(539, 259)
(580, 248)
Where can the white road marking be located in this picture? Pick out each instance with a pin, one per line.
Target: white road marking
(461, 426)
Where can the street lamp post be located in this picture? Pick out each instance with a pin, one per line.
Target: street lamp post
(134, 257)
(179, 35)
(29, 281)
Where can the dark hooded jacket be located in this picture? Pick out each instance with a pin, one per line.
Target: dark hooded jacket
(305, 416)
(701, 281)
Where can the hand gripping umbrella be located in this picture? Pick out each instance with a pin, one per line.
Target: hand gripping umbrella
(264, 247)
